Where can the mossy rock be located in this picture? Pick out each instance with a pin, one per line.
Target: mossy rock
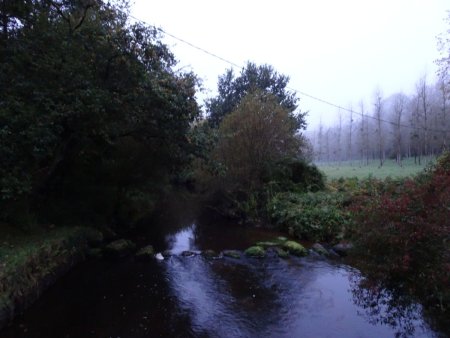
(281, 239)
(281, 253)
(94, 237)
(255, 251)
(95, 253)
(267, 244)
(232, 253)
(320, 249)
(210, 254)
(120, 248)
(295, 248)
(146, 252)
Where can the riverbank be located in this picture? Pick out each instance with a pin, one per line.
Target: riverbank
(30, 263)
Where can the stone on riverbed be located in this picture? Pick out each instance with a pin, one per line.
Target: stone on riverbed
(210, 254)
(281, 253)
(145, 253)
(95, 253)
(295, 248)
(319, 248)
(232, 253)
(188, 253)
(342, 249)
(255, 251)
(159, 256)
(267, 244)
(120, 248)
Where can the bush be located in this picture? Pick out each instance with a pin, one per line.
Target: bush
(316, 216)
(403, 235)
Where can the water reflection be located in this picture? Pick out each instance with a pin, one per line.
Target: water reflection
(307, 297)
(183, 240)
(387, 307)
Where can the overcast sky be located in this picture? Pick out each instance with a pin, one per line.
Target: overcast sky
(339, 51)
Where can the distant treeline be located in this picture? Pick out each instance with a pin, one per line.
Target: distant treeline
(395, 127)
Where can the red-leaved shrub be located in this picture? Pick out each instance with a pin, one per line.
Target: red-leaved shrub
(404, 235)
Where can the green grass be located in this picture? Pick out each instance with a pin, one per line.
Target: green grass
(348, 169)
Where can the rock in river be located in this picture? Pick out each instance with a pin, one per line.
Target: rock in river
(145, 253)
(295, 248)
(255, 251)
(120, 248)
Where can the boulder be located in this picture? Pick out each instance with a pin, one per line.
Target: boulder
(146, 252)
(267, 244)
(232, 253)
(342, 249)
(295, 248)
(255, 251)
(120, 248)
(210, 254)
(95, 253)
(281, 253)
(188, 253)
(319, 248)
(94, 237)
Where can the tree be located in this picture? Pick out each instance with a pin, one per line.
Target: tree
(232, 89)
(92, 114)
(399, 108)
(254, 137)
(378, 114)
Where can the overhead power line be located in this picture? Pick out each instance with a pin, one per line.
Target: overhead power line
(318, 99)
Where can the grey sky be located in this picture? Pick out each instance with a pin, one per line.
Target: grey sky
(339, 51)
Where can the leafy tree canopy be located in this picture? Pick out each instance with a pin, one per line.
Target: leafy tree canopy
(232, 89)
(91, 111)
(254, 137)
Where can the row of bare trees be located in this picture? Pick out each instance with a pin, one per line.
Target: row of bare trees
(394, 127)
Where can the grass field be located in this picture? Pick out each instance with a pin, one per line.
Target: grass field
(348, 169)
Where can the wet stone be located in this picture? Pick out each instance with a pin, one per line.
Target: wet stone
(188, 253)
(232, 253)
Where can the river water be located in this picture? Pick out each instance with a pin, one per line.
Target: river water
(199, 297)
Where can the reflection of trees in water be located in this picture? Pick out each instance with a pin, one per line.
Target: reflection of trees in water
(387, 306)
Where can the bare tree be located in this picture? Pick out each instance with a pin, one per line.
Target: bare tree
(424, 112)
(378, 115)
(444, 91)
(350, 134)
(339, 136)
(399, 108)
(363, 135)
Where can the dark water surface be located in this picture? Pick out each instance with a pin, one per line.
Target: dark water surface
(196, 297)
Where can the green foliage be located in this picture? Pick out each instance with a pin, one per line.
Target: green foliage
(291, 174)
(92, 114)
(316, 216)
(232, 89)
(254, 137)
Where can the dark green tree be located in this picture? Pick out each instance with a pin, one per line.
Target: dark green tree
(93, 117)
(232, 89)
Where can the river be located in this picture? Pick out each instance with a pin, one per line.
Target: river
(199, 297)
